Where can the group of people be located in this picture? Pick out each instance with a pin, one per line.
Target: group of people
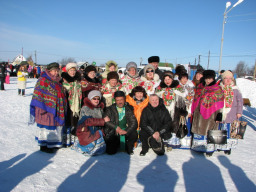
(108, 113)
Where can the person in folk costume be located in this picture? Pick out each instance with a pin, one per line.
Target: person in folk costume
(90, 81)
(2, 76)
(206, 110)
(47, 109)
(110, 88)
(173, 97)
(90, 126)
(131, 79)
(232, 110)
(189, 93)
(197, 77)
(138, 98)
(150, 80)
(71, 81)
(120, 131)
(110, 66)
(22, 79)
(155, 126)
(154, 61)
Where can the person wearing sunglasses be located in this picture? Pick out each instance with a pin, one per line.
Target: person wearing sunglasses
(90, 126)
(150, 80)
(154, 61)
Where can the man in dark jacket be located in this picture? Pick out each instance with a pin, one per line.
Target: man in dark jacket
(154, 60)
(120, 131)
(155, 123)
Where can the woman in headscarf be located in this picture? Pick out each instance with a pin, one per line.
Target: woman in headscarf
(47, 109)
(150, 80)
(206, 109)
(173, 96)
(111, 87)
(110, 66)
(232, 110)
(71, 83)
(90, 81)
(131, 79)
(90, 126)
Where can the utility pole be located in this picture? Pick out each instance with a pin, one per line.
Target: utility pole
(199, 59)
(195, 61)
(141, 61)
(35, 58)
(208, 59)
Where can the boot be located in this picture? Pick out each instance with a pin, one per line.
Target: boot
(23, 92)
(19, 91)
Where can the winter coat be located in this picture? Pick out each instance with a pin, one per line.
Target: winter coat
(112, 113)
(138, 108)
(90, 121)
(173, 98)
(206, 115)
(156, 119)
(230, 114)
(188, 94)
(150, 85)
(2, 71)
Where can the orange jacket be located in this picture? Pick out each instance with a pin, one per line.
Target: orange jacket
(138, 108)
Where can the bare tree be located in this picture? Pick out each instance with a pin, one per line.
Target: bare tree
(250, 70)
(66, 60)
(30, 60)
(241, 69)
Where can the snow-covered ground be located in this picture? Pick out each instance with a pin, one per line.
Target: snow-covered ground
(24, 168)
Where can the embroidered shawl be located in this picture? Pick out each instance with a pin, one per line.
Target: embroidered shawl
(49, 96)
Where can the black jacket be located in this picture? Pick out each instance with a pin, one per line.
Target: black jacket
(112, 113)
(155, 119)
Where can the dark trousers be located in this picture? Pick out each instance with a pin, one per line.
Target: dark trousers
(144, 137)
(2, 83)
(113, 142)
(22, 91)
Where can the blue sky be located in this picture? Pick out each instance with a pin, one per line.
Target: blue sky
(177, 31)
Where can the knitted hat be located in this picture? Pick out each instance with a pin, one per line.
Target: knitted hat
(169, 74)
(71, 65)
(119, 94)
(113, 75)
(148, 67)
(208, 74)
(53, 65)
(153, 59)
(94, 93)
(130, 65)
(90, 68)
(227, 74)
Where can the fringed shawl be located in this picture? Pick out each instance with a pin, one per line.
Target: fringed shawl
(49, 96)
(211, 99)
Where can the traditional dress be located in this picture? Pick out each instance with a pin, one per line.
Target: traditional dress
(47, 109)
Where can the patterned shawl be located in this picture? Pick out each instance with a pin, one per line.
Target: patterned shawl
(211, 100)
(197, 95)
(49, 96)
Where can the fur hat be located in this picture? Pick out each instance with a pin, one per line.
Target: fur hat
(113, 75)
(90, 68)
(153, 59)
(227, 74)
(71, 65)
(180, 69)
(94, 93)
(138, 89)
(119, 94)
(148, 67)
(208, 74)
(130, 65)
(53, 65)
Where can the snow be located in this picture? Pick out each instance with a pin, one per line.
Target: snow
(24, 168)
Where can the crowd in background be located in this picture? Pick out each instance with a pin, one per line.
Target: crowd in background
(94, 112)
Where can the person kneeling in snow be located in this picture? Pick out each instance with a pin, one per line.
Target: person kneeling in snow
(155, 126)
(120, 131)
(90, 126)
